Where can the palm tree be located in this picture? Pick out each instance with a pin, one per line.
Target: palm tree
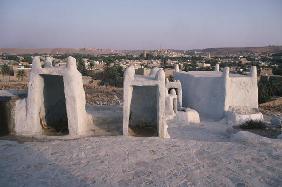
(81, 66)
(20, 74)
(5, 70)
(91, 65)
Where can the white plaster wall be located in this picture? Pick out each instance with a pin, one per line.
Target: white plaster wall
(78, 120)
(242, 91)
(204, 94)
(158, 80)
(21, 127)
(34, 105)
(176, 85)
(188, 116)
(237, 119)
(170, 106)
(29, 111)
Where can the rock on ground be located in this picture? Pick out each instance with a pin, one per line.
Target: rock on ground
(276, 121)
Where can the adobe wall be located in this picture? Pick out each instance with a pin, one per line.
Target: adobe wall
(141, 100)
(242, 91)
(204, 94)
(212, 93)
(30, 112)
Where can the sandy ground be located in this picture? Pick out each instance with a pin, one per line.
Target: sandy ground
(272, 108)
(196, 155)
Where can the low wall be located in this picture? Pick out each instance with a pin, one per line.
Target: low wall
(8, 99)
(242, 91)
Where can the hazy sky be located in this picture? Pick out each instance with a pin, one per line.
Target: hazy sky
(140, 24)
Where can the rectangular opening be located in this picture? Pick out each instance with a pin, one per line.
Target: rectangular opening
(143, 120)
(55, 119)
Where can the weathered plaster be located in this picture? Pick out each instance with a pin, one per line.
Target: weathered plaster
(211, 93)
(30, 112)
(156, 79)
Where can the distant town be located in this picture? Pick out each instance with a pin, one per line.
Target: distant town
(90, 61)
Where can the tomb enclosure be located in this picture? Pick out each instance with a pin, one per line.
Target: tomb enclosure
(215, 94)
(55, 101)
(144, 104)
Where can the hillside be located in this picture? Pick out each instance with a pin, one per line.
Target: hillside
(95, 51)
(237, 50)
(21, 51)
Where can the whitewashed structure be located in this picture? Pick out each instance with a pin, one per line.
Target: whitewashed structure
(239, 115)
(213, 93)
(171, 104)
(144, 103)
(176, 86)
(56, 100)
(188, 115)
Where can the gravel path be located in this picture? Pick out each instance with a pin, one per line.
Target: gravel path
(202, 155)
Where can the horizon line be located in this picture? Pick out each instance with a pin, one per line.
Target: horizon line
(136, 49)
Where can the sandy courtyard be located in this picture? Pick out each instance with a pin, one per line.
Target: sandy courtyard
(203, 155)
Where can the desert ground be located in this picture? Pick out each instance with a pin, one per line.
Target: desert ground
(206, 154)
(209, 154)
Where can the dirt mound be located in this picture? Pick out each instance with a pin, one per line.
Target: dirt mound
(274, 106)
(13, 85)
(103, 95)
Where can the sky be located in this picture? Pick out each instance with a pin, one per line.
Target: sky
(140, 24)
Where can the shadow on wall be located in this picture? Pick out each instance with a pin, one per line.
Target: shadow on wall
(55, 105)
(143, 111)
(4, 116)
(7, 123)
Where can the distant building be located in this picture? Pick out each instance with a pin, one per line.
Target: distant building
(277, 56)
(243, 61)
(61, 64)
(265, 71)
(145, 54)
(203, 65)
(142, 71)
